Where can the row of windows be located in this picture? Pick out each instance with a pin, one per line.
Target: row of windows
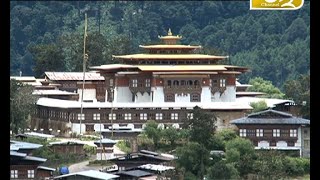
(147, 83)
(218, 82)
(14, 174)
(96, 116)
(275, 133)
(136, 83)
(128, 116)
(183, 83)
(175, 62)
(276, 143)
(170, 51)
(194, 97)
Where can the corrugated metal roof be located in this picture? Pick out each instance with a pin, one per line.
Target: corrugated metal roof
(67, 142)
(73, 76)
(271, 117)
(90, 174)
(169, 56)
(24, 145)
(24, 78)
(270, 121)
(41, 135)
(156, 167)
(270, 111)
(46, 168)
(32, 158)
(24, 156)
(14, 153)
(105, 141)
(136, 173)
(271, 102)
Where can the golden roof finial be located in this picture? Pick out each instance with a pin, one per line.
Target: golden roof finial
(169, 32)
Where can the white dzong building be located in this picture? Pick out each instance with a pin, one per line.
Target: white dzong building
(163, 84)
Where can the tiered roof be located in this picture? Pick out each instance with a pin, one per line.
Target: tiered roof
(167, 59)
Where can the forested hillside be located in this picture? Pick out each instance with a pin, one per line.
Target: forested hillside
(48, 36)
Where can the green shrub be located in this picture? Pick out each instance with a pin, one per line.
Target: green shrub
(294, 166)
(91, 150)
(124, 146)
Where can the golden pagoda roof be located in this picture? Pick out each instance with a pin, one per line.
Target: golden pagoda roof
(175, 69)
(113, 67)
(169, 46)
(169, 56)
(170, 36)
(181, 67)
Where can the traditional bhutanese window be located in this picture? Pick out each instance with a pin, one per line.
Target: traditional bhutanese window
(222, 82)
(276, 132)
(259, 132)
(147, 82)
(195, 97)
(158, 116)
(80, 116)
(214, 82)
(169, 98)
(196, 83)
(110, 82)
(293, 133)
(143, 116)
(290, 143)
(169, 83)
(174, 116)
(30, 173)
(243, 132)
(127, 116)
(285, 133)
(190, 115)
(273, 143)
(134, 83)
(14, 174)
(176, 83)
(189, 83)
(251, 132)
(112, 116)
(96, 116)
(183, 82)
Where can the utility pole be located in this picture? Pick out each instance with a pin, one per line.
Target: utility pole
(85, 58)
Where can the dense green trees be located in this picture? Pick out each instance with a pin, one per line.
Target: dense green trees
(261, 85)
(259, 106)
(202, 126)
(22, 104)
(299, 91)
(274, 44)
(224, 155)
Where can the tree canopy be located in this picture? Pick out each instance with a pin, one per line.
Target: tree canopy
(22, 104)
(275, 45)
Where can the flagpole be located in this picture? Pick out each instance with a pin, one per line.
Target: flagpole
(85, 58)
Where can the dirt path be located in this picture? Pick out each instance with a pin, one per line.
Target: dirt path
(83, 166)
